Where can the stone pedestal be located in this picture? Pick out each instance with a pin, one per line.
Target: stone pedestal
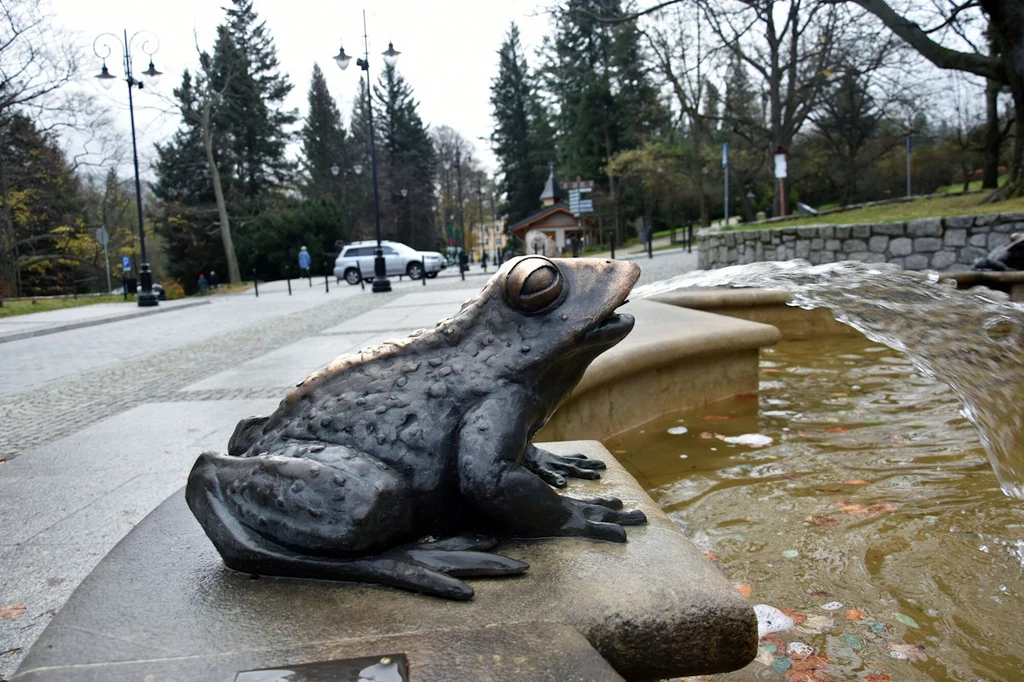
(162, 606)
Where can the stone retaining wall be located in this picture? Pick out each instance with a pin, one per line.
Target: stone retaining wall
(941, 244)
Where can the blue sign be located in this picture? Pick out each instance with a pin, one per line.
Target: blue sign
(126, 263)
(725, 155)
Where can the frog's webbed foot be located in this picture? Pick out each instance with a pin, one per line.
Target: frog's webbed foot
(553, 468)
(601, 518)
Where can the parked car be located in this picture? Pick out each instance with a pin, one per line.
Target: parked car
(400, 260)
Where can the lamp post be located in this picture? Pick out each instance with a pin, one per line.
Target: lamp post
(408, 212)
(101, 46)
(381, 283)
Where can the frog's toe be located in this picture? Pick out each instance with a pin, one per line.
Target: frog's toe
(584, 462)
(602, 513)
(468, 564)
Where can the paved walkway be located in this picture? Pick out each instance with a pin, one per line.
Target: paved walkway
(101, 423)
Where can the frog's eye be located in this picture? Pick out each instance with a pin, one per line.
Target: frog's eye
(533, 284)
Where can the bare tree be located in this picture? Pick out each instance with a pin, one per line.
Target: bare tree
(36, 60)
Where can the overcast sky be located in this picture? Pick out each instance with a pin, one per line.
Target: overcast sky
(448, 51)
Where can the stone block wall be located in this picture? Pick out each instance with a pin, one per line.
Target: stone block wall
(942, 244)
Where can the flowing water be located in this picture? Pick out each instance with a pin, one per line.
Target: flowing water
(852, 495)
(971, 341)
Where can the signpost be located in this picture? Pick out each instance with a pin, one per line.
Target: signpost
(910, 150)
(725, 165)
(102, 237)
(780, 175)
(126, 267)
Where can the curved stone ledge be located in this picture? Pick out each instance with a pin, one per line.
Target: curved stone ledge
(162, 606)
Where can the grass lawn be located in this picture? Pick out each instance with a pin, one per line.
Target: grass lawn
(922, 208)
(12, 308)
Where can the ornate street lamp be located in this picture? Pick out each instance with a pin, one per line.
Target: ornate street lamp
(381, 283)
(149, 44)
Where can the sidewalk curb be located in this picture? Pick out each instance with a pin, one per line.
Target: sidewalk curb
(92, 323)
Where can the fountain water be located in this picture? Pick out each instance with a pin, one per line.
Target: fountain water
(970, 340)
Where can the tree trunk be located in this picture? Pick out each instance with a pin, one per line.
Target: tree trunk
(993, 139)
(234, 276)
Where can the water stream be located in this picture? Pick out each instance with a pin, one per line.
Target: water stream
(970, 340)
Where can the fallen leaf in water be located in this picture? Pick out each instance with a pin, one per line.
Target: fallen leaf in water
(855, 509)
(791, 477)
(829, 490)
(856, 481)
(743, 589)
(715, 418)
(877, 677)
(769, 370)
(803, 434)
(826, 521)
(708, 554)
(707, 435)
(11, 611)
(878, 628)
(910, 652)
(852, 642)
(836, 429)
(765, 654)
(772, 638)
(815, 625)
(790, 553)
(884, 507)
(906, 620)
(854, 614)
(797, 617)
(810, 669)
(820, 593)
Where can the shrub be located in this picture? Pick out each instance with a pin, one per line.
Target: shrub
(174, 291)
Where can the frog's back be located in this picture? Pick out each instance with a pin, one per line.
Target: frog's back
(401, 402)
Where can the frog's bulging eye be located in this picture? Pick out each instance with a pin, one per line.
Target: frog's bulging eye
(533, 284)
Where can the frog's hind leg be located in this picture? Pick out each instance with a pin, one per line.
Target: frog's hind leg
(229, 496)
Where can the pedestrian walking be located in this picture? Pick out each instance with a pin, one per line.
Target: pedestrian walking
(304, 261)
(203, 284)
(214, 279)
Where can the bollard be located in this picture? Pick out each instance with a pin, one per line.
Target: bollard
(359, 269)
(650, 242)
(689, 236)
(611, 238)
(255, 284)
(423, 260)
(327, 286)
(288, 278)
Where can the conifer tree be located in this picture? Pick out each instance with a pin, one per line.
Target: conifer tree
(252, 116)
(323, 141)
(406, 160)
(522, 137)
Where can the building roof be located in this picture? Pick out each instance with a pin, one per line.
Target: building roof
(523, 225)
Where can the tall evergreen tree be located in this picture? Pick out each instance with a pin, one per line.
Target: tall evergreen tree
(522, 133)
(252, 115)
(406, 161)
(323, 142)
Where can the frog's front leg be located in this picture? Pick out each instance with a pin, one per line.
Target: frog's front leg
(518, 501)
(554, 468)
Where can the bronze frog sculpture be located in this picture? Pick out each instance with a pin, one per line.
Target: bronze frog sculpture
(400, 464)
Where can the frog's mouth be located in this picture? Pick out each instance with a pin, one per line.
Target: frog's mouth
(610, 330)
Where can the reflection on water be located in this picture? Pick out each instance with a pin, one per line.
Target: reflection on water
(970, 341)
(872, 519)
